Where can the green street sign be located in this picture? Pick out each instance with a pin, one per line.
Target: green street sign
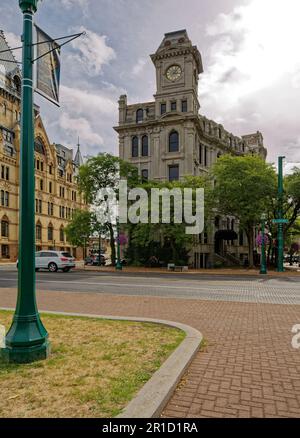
(280, 221)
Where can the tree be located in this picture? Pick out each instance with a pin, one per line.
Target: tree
(83, 225)
(292, 197)
(105, 171)
(167, 242)
(80, 228)
(245, 187)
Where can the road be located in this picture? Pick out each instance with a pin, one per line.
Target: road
(202, 287)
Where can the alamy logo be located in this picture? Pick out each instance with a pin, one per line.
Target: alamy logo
(165, 206)
(296, 338)
(2, 336)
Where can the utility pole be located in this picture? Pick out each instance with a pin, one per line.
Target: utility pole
(27, 338)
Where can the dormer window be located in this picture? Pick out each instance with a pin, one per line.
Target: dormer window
(139, 115)
(17, 83)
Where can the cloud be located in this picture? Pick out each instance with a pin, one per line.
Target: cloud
(83, 4)
(89, 115)
(139, 66)
(87, 102)
(82, 127)
(92, 52)
(253, 71)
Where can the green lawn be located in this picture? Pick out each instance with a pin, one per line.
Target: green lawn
(95, 369)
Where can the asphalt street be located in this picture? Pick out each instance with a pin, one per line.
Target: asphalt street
(203, 287)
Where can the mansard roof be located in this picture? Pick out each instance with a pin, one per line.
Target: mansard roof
(175, 44)
(8, 60)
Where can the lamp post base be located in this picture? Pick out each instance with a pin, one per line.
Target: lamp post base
(25, 355)
(263, 272)
(119, 266)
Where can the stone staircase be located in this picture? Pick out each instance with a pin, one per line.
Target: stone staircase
(227, 260)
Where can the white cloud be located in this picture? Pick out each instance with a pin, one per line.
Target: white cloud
(92, 51)
(84, 4)
(255, 45)
(253, 72)
(139, 66)
(82, 127)
(85, 102)
(89, 115)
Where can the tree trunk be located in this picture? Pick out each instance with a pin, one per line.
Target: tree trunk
(250, 238)
(112, 244)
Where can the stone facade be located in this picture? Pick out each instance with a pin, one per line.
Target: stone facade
(56, 196)
(169, 138)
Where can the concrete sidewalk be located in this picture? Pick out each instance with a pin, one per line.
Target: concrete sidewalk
(247, 369)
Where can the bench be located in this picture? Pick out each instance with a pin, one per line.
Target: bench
(174, 268)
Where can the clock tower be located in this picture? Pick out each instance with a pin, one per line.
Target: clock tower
(178, 65)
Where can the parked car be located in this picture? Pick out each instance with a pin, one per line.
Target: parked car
(94, 260)
(53, 261)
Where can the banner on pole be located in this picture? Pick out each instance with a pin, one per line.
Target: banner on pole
(47, 66)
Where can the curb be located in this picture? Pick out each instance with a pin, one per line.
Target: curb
(155, 394)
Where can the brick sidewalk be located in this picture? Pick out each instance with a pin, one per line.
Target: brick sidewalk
(248, 368)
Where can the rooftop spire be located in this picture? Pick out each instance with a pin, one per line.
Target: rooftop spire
(78, 157)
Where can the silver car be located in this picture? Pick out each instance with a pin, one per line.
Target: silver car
(53, 261)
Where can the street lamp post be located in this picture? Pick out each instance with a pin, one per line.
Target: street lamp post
(280, 267)
(263, 264)
(119, 264)
(27, 338)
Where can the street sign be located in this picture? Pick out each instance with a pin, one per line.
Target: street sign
(280, 221)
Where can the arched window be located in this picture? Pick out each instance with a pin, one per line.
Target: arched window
(139, 115)
(174, 141)
(62, 234)
(50, 232)
(4, 227)
(135, 147)
(38, 231)
(39, 146)
(145, 146)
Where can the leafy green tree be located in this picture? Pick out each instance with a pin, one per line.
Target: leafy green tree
(105, 171)
(245, 187)
(166, 242)
(83, 226)
(292, 197)
(80, 228)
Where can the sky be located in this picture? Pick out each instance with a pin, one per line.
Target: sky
(250, 52)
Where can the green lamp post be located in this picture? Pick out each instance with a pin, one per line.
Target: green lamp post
(27, 338)
(263, 264)
(118, 264)
(280, 267)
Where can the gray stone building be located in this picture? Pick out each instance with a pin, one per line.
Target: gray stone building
(169, 138)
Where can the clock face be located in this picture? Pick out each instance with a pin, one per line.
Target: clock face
(174, 73)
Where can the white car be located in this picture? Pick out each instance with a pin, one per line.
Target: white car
(53, 261)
